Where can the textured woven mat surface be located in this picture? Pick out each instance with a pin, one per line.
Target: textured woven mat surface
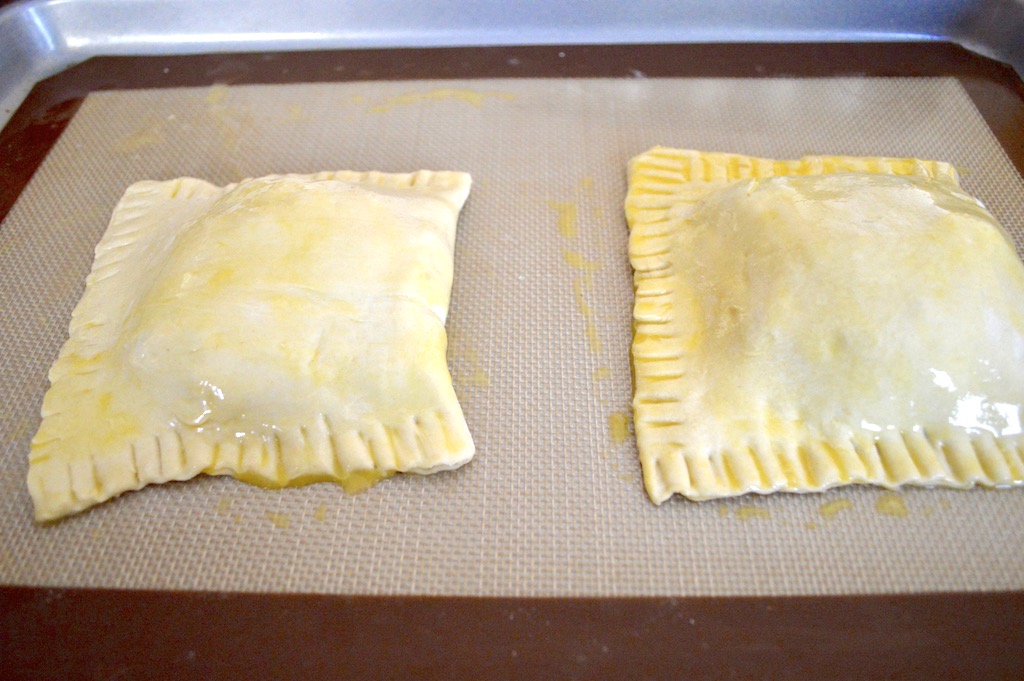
(539, 349)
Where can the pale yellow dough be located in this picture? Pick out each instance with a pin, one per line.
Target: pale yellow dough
(832, 320)
(283, 330)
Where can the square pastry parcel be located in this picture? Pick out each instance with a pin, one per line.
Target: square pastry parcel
(282, 330)
(832, 320)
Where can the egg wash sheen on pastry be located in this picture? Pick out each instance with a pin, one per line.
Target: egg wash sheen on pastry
(833, 320)
(284, 330)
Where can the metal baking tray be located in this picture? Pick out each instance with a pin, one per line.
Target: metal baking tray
(39, 38)
(53, 54)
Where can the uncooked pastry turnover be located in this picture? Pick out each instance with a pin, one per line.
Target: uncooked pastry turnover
(820, 322)
(282, 330)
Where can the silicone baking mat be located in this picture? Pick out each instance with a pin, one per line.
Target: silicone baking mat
(539, 332)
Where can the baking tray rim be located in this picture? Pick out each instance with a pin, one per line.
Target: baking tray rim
(39, 38)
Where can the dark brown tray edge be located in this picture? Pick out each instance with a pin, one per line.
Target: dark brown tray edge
(98, 633)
